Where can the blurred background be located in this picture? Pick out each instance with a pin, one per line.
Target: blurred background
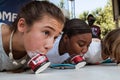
(106, 12)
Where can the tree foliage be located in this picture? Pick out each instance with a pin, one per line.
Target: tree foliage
(104, 18)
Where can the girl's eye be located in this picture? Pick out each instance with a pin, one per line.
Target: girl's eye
(81, 44)
(46, 33)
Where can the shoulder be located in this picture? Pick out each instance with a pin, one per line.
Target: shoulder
(5, 29)
(95, 46)
(96, 40)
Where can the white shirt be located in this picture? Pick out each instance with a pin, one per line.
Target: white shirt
(53, 54)
(93, 54)
(5, 62)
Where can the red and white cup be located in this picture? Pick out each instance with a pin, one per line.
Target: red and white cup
(78, 61)
(39, 63)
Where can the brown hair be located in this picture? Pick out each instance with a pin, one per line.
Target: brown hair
(35, 10)
(111, 44)
(76, 26)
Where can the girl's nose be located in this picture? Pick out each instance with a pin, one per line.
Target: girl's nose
(84, 50)
(49, 44)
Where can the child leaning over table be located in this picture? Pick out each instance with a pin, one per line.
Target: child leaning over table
(75, 40)
(107, 50)
(35, 29)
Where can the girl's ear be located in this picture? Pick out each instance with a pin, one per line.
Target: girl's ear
(21, 25)
(65, 38)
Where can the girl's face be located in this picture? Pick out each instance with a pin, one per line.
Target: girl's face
(42, 34)
(78, 44)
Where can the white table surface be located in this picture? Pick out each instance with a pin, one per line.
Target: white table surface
(89, 72)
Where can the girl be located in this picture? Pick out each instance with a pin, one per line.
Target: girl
(37, 26)
(75, 40)
(107, 50)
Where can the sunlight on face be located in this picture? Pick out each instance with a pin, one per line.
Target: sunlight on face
(42, 34)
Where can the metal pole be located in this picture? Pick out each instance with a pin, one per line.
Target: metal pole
(72, 2)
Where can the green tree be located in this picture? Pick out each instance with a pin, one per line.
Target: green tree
(61, 4)
(84, 15)
(106, 18)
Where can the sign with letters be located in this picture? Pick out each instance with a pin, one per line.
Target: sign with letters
(9, 9)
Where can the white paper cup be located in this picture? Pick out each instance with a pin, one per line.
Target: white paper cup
(38, 63)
